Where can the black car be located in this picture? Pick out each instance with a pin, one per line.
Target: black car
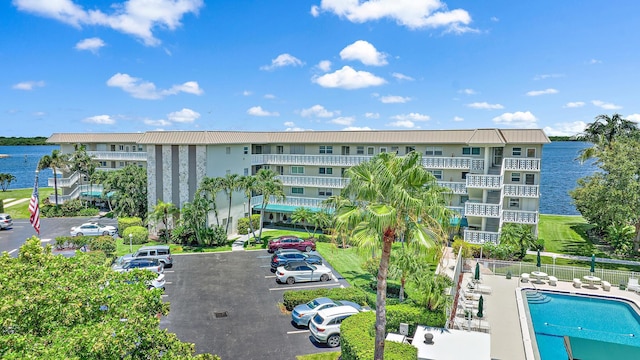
(283, 258)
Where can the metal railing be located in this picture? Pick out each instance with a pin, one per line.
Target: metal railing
(118, 155)
(481, 237)
(313, 181)
(527, 164)
(75, 193)
(65, 182)
(484, 181)
(521, 190)
(289, 201)
(446, 162)
(520, 217)
(482, 209)
(455, 187)
(292, 159)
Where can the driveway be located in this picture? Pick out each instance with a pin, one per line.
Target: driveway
(227, 304)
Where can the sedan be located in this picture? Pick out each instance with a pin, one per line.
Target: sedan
(291, 242)
(301, 272)
(93, 229)
(142, 264)
(280, 259)
(303, 313)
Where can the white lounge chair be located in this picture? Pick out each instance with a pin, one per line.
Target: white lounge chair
(577, 283)
(466, 301)
(483, 289)
(473, 324)
(553, 280)
(633, 285)
(470, 294)
(606, 286)
(524, 277)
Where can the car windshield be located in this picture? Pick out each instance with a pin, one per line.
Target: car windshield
(119, 260)
(318, 319)
(313, 304)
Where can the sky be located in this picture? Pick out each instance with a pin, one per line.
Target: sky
(311, 65)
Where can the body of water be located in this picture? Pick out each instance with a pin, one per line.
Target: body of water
(22, 163)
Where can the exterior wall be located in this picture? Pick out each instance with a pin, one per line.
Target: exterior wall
(151, 178)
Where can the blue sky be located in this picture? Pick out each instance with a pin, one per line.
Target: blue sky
(291, 65)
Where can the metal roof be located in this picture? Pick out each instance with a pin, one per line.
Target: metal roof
(84, 138)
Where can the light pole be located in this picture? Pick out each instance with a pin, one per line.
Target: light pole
(131, 243)
(554, 264)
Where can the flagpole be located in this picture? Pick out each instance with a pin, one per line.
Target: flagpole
(34, 205)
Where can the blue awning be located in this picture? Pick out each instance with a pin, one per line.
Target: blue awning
(456, 221)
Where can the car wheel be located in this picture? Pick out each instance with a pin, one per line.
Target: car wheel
(105, 233)
(333, 340)
(79, 234)
(324, 277)
(291, 281)
(307, 249)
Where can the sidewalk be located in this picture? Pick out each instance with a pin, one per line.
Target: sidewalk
(238, 245)
(585, 258)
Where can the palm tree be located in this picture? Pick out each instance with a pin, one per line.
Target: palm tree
(161, 212)
(604, 131)
(55, 162)
(320, 219)
(230, 184)
(268, 186)
(518, 235)
(82, 162)
(389, 193)
(406, 263)
(209, 189)
(302, 215)
(249, 184)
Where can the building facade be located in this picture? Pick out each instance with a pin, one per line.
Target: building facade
(493, 175)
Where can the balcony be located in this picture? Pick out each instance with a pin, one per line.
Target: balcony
(447, 163)
(292, 159)
(455, 187)
(518, 164)
(520, 217)
(458, 209)
(482, 210)
(294, 201)
(530, 191)
(75, 193)
(314, 181)
(481, 237)
(118, 155)
(65, 182)
(484, 181)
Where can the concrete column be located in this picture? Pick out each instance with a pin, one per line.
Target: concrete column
(166, 173)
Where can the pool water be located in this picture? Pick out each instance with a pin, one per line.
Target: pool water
(556, 315)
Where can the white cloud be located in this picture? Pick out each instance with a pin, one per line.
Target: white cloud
(318, 111)
(343, 120)
(39, 113)
(485, 105)
(141, 89)
(633, 117)
(458, 118)
(401, 77)
(517, 119)
(28, 85)
(281, 61)
(494, 19)
(289, 123)
(547, 76)
(605, 105)
(100, 120)
(291, 126)
(574, 104)
(412, 117)
(247, 93)
(91, 44)
(259, 111)
(542, 92)
(413, 14)
(183, 116)
(364, 52)
(594, 61)
(357, 128)
(269, 96)
(348, 78)
(160, 122)
(134, 17)
(467, 91)
(324, 65)
(371, 115)
(565, 129)
(403, 123)
(394, 99)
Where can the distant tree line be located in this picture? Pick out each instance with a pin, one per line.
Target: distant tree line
(12, 141)
(563, 138)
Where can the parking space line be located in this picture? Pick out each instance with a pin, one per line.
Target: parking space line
(265, 265)
(169, 271)
(263, 257)
(45, 240)
(168, 282)
(269, 276)
(164, 295)
(12, 251)
(297, 332)
(301, 287)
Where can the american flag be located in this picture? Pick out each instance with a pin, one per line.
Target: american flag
(34, 207)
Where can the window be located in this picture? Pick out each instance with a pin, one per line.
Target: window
(515, 177)
(383, 149)
(464, 175)
(297, 149)
(258, 149)
(326, 149)
(246, 171)
(325, 171)
(121, 163)
(514, 203)
(394, 149)
(470, 151)
(245, 150)
(325, 192)
(113, 148)
(464, 199)
(103, 163)
(409, 149)
(516, 151)
(297, 190)
(370, 150)
(360, 150)
(437, 174)
(228, 150)
(297, 169)
(531, 152)
(139, 148)
(133, 148)
(433, 151)
(279, 149)
(121, 147)
(529, 179)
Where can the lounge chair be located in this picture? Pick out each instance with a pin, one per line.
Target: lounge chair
(633, 285)
(553, 280)
(577, 283)
(470, 294)
(466, 301)
(524, 277)
(484, 289)
(606, 286)
(473, 324)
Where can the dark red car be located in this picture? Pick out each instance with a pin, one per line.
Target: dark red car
(291, 242)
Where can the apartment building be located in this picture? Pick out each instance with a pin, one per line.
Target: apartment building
(493, 175)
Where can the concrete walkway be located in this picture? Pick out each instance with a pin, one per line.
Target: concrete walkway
(585, 258)
(16, 202)
(238, 245)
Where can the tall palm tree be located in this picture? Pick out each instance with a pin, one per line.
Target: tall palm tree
(302, 215)
(209, 189)
(230, 184)
(604, 131)
(55, 162)
(82, 162)
(392, 195)
(268, 186)
(162, 212)
(249, 184)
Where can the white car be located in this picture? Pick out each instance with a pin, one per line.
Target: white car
(93, 229)
(325, 326)
(301, 272)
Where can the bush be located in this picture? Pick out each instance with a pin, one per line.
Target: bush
(183, 235)
(372, 297)
(218, 236)
(1, 206)
(106, 244)
(393, 289)
(243, 224)
(51, 211)
(88, 212)
(323, 238)
(125, 222)
(468, 250)
(414, 316)
(293, 298)
(140, 235)
(73, 242)
(371, 266)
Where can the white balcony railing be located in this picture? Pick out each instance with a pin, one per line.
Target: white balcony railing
(458, 209)
(481, 209)
(525, 164)
(455, 187)
(446, 162)
(314, 181)
(532, 191)
(484, 181)
(291, 159)
(520, 216)
(65, 182)
(481, 237)
(477, 165)
(118, 155)
(75, 193)
(289, 201)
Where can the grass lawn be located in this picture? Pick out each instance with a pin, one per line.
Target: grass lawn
(21, 211)
(320, 356)
(123, 248)
(566, 235)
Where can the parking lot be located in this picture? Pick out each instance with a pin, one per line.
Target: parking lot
(227, 304)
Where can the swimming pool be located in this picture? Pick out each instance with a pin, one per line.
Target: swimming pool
(555, 315)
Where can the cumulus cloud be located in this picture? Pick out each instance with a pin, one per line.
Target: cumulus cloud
(518, 119)
(324, 65)
(485, 105)
(467, 91)
(318, 111)
(594, 61)
(565, 129)
(281, 61)
(403, 124)
(100, 120)
(372, 115)
(259, 111)
(547, 76)
(134, 17)
(458, 118)
(246, 93)
(633, 117)
(357, 128)
(141, 89)
(364, 52)
(348, 78)
(412, 117)
(574, 104)
(413, 14)
(160, 122)
(183, 116)
(91, 44)
(394, 99)
(269, 96)
(542, 92)
(605, 105)
(402, 77)
(28, 85)
(291, 126)
(343, 120)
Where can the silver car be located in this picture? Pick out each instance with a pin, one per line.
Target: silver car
(303, 313)
(301, 272)
(93, 229)
(5, 221)
(142, 264)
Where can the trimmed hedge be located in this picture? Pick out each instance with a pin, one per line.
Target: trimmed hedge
(73, 242)
(294, 298)
(357, 340)
(140, 235)
(414, 316)
(106, 244)
(125, 222)
(243, 224)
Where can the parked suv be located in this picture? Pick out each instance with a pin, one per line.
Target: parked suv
(5, 221)
(325, 326)
(161, 253)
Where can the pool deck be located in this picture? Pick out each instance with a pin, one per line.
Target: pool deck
(507, 340)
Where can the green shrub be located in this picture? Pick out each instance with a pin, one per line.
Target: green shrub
(73, 242)
(294, 298)
(88, 212)
(125, 222)
(371, 266)
(1, 206)
(357, 340)
(140, 235)
(218, 236)
(372, 296)
(468, 250)
(414, 316)
(106, 244)
(323, 238)
(183, 235)
(243, 224)
(50, 211)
